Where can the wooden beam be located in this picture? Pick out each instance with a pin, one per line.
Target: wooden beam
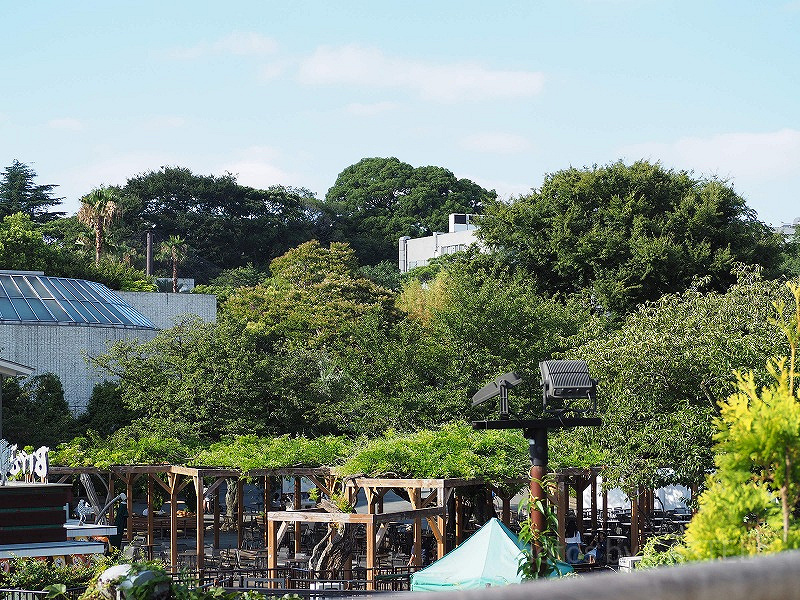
(272, 550)
(297, 504)
(240, 513)
(371, 551)
(150, 493)
(201, 526)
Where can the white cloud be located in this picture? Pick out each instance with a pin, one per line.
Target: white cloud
(115, 170)
(66, 124)
(237, 44)
(165, 122)
(496, 143)
(751, 156)
(505, 190)
(256, 167)
(359, 65)
(372, 109)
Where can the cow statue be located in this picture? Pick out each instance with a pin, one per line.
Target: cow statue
(83, 510)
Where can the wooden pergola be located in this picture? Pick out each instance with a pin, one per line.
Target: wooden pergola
(433, 500)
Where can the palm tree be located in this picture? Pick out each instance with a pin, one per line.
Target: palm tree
(98, 209)
(176, 250)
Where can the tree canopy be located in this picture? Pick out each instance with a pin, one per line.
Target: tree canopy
(378, 200)
(226, 224)
(19, 193)
(627, 234)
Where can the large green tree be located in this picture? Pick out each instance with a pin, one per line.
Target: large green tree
(663, 373)
(628, 233)
(378, 200)
(20, 193)
(227, 225)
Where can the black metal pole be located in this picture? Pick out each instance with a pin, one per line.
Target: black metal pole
(149, 258)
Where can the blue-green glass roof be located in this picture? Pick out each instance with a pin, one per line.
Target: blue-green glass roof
(35, 298)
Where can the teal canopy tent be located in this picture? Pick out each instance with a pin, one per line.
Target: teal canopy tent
(489, 558)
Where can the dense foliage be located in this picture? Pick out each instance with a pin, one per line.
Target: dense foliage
(19, 193)
(628, 233)
(663, 372)
(377, 200)
(751, 500)
(35, 413)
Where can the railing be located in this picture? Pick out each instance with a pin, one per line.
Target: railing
(12, 594)
(773, 577)
(302, 581)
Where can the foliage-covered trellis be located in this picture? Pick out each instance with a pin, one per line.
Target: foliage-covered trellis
(455, 450)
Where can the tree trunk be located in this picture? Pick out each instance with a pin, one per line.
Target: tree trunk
(335, 548)
(98, 242)
(231, 501)
(174, 271)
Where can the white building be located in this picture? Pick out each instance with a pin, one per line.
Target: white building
(54, 323)
(787, 229)
(417, 252)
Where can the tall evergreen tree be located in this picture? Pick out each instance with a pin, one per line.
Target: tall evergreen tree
(19, 193)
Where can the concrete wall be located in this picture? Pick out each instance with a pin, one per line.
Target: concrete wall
(164, 310)
(418, 251)
(60, 349)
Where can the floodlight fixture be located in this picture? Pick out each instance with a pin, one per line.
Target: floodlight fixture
(564, 384)
(498, 387)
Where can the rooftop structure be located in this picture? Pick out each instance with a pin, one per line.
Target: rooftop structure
(54, 323)
(31, 297)
(417, 252)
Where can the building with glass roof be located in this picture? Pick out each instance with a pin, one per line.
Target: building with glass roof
(54, 323)
(34, 298)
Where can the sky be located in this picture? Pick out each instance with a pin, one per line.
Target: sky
(502, 93)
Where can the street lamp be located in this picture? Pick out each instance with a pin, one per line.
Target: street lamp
(569, 395)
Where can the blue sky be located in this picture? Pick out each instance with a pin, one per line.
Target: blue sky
(291, 93)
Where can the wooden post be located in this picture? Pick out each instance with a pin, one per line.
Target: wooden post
(415, 503)
(561, 511)
(593, 474)
(506, 509)
(129, 494)
(240, 512)
(459, 509)
(371, 562)
(297, 536)
(173, 520)
(272, 551)
(216, 517)
(201, 527)
(635, 521)
(580, 486)
(267, 506)
(150, 539)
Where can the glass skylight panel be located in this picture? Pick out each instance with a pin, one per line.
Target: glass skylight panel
(36, 298)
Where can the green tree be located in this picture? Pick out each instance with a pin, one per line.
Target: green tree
(98, 209)
(24, 247)
(19, 193)
(227, 225)
(106, 411)
(35, 413)
(750, 505)
(663, 373)
(198, 379)
(378, 200)
(175, 250)
(627, 233)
